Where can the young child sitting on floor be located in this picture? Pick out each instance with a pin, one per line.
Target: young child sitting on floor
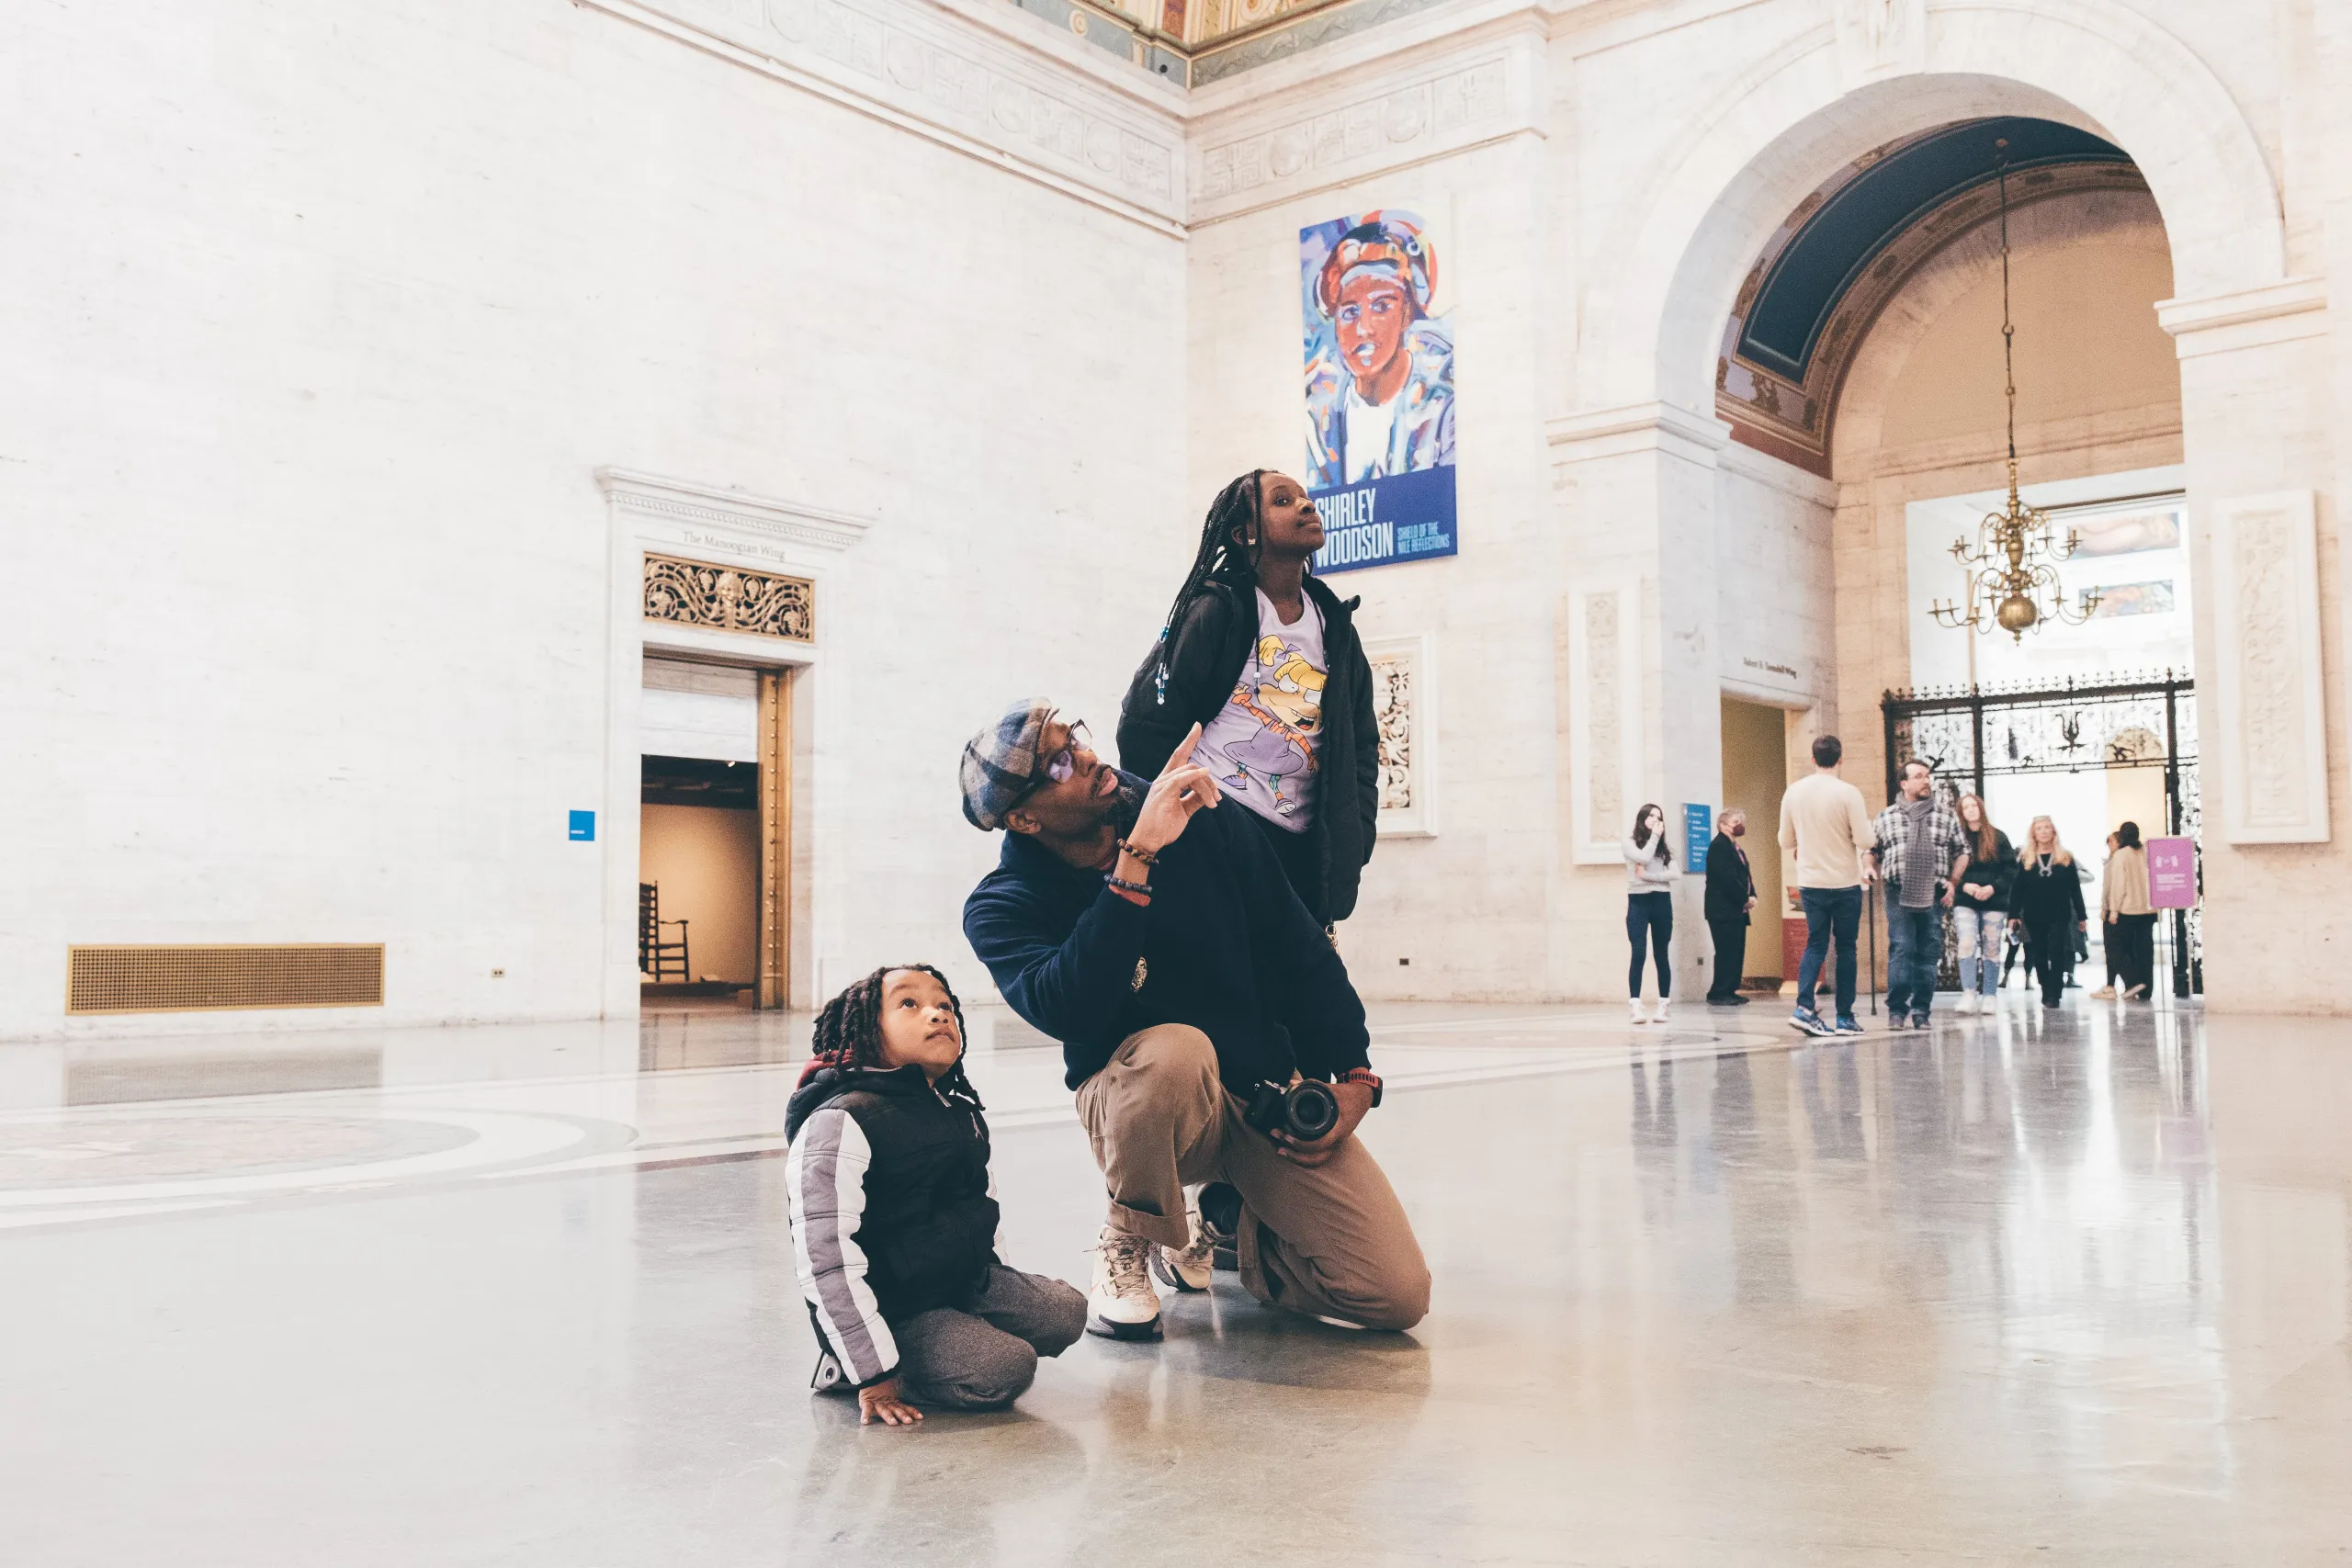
(894, 1215)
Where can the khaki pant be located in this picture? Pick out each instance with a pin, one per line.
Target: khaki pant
(1336, 1242)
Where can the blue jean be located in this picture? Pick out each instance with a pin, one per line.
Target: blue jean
(1830, 913)
(1915, 945)
(1979, 932)
(1650, 914)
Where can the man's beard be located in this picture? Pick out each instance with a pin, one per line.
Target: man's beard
(1128, 803)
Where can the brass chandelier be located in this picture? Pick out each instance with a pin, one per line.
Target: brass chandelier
(2017, 588)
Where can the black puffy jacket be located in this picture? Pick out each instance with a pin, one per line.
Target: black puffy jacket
(1204, 659)
(889, 1175)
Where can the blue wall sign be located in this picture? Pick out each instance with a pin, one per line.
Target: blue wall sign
(584, 827)
(1382, 522)
(1698, 832)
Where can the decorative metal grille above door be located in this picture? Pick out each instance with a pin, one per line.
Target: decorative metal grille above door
(1973, 733)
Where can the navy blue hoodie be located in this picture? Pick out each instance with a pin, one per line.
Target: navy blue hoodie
(1226, 946)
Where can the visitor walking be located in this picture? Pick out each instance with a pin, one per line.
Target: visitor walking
(1981, 904)
(1265, 660)
(1649, 908)
(1920, 852)
(1824, 830)
(2129, 920)
(2047, 901)
(1731, 895)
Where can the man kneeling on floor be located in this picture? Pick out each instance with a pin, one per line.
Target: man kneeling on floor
(1158, 938)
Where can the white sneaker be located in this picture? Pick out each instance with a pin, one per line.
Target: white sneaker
(1665, 1006)
(1967, 1003)
(1192, 1268)
(1121, 1303)
(1639, 1016)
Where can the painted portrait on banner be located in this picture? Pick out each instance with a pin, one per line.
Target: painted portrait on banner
(1379, 390)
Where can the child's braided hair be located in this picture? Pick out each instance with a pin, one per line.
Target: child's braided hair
(1222, 558)
(848, 1033)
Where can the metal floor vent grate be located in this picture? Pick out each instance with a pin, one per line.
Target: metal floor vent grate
(197, 979)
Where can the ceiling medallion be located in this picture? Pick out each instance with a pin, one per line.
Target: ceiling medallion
(2019, 588)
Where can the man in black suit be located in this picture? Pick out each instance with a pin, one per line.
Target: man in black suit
(1731, 894)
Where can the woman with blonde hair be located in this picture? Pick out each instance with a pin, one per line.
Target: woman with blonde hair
(1980, 905)
(2046, 899)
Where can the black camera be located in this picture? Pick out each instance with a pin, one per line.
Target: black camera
(1307, 1110)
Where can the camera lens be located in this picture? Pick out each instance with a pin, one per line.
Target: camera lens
(1314, 1109)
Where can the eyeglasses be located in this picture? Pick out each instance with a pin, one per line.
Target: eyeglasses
(1057, 768)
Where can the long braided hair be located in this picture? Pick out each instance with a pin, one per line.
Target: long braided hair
(848, 1033)
(1221, 557)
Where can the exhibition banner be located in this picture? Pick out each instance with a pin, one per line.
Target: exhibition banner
(1379, 351)
(2171, 873)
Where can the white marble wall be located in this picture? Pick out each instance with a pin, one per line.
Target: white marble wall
(320, 322)
(323, 321)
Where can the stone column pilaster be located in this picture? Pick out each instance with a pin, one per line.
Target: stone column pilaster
(1641, 714)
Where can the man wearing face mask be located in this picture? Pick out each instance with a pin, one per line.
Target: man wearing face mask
(1731, 895)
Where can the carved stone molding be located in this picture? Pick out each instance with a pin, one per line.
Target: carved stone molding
(2251, 318)
(1402, 704)
(1604, 715)
(653, 499)
(1244, 161)
(1878, 39)
(929, 69)
(2272, 736)
(730, 599)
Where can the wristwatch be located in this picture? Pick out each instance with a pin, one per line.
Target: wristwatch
(1363, 1076)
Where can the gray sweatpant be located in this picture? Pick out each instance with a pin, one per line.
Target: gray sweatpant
(982, 1353)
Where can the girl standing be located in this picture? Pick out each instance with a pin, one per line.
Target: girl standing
(1265, 660)
(1649, 908)
(1980, 905)
(2047, 900)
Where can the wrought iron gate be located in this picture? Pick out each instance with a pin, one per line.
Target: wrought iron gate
(1973, 733)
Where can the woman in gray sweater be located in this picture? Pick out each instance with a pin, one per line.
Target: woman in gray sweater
(1649, 908)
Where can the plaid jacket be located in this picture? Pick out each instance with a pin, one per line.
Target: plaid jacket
(1891, 841)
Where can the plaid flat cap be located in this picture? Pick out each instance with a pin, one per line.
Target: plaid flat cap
(1000, 760)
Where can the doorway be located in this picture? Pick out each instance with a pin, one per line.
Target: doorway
(714, 832)
(2094, 755)
(1756, 775)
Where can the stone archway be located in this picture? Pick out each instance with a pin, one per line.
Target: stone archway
(1636, 448)
(1676, 260)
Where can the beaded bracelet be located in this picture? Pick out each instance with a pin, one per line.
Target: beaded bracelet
(1149, 857)
(1121, 885)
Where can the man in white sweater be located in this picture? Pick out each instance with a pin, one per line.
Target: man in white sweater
(1826, 835)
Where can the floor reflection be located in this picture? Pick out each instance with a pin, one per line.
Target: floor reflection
(2062, 1287)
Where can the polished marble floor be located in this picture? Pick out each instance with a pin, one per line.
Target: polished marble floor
(2064, 1287)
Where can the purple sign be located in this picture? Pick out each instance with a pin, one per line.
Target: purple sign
(2171, 873)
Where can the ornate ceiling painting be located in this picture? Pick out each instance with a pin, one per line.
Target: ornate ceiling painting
(1200, 42)
(1847, 249)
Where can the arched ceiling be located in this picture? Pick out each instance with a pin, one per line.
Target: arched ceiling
(1848, 247)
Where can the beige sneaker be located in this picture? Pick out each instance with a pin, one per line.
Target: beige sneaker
(1121, 1303)
(1192, 1267)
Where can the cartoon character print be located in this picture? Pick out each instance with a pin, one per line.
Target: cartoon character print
(1287, 702)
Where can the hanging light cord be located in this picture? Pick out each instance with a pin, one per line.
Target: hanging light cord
(2008, 329)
